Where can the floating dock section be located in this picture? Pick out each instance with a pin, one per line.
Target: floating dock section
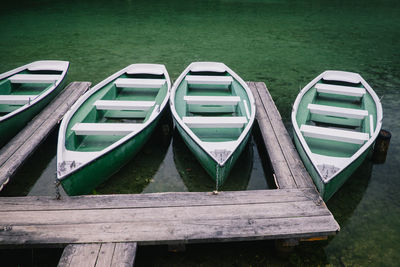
(96, 223)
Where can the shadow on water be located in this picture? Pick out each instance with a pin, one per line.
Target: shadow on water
(345, 201)
(196, 178)
(39, 164)
(137, 174)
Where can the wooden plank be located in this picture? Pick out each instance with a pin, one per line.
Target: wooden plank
(233, 212)
(124, 254)
(99, 255)
(299, 176)
(105, 256)
(154, 200)
(24, 144)
(174, 230)
(79, 255)
(284, 177)
(200, 219)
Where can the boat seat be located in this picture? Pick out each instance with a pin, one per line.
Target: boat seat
(337, 111)
(342, 76)
(212, 100)
(105, 128)
(123, 105)
(217, 80)
(16, 99)
(215, 122)
(334, 134)
(340, 90)
(34, 78)
(139, 83)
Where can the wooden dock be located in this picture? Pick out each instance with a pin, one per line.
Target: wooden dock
(17, 150)
(99, 224)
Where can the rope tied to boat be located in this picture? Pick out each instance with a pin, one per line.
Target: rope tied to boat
(215, 192)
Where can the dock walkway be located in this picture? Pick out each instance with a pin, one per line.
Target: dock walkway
(293, 211)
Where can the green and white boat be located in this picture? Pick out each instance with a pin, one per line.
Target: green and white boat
(214, 111)
(109, 124)
(25, 91)
(336, 119)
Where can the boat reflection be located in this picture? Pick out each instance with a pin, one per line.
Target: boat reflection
(196, 178)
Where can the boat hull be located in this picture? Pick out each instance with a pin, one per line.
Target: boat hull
(85, 179)
(12, 125)
(328, 189)
(218, 173)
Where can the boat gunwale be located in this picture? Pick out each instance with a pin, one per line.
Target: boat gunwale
(189, 131)
(40, 96)
(62, 150)
(361, 150)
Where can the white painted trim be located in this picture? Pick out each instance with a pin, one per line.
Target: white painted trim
(16, 99)
(371, 124)
(334, 134)
(340, 90)
(246, 108)
(337, 111)
(211, 100)
(106, 128)
(123, 105)
(342, 76)
(34, 78)
(214, 122)
(139, 83)
(218, 80)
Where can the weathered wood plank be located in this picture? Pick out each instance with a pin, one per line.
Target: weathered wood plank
(284, 177)
(24, 144)
(99, 255)
(124, 254)
(233, 212)
(105, 256)
(79, 255)
(175, 199)
(184, 231)
(299, 175)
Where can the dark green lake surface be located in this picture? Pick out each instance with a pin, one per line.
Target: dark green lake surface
(282, 43)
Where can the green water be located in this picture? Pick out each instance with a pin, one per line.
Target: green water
(282, 43)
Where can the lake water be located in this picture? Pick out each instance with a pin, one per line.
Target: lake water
(282, 43)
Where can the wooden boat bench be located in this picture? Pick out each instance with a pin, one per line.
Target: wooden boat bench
(334, 134)
(337, 111)
(16, 99)
(340, 90)
(105, 128)
(215, 122)
(34, 78)
(139, 83)
(217, 80)
(123, 105)
(212, 100)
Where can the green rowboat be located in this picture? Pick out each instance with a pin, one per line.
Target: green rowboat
(336, 119)
(25, 91)
(109, 124)
(214, 111)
